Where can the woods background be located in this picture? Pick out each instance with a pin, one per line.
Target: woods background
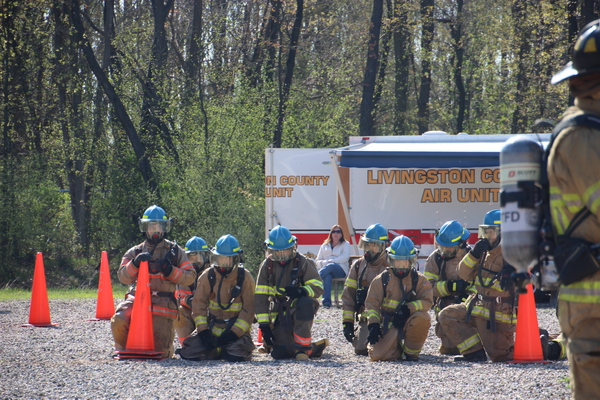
(110, 106)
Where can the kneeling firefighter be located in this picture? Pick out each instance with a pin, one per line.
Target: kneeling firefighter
(287, 289)
(441, 268)
(197, 251)
(397, 306)
(222, 308)
(168, 266)
(374, 261)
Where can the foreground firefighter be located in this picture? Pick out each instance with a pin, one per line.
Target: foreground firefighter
(287, 289)
(362, 272)
(196, 250)
(574, 178)
(222, 308)
(441, 268)
(168, 266)
(484, 325)
(397, 306)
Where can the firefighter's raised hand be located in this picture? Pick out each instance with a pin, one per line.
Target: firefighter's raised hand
(480, 247)
(267, 334)
(145, 256)
(374, 333)
(207, 339)
(349, 331)
(295, 292)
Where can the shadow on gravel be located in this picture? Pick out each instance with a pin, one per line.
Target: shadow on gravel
(5, 311)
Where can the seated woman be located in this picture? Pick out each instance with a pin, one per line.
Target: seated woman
(332, 261)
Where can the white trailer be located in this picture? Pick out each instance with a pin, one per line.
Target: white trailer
(409, 184)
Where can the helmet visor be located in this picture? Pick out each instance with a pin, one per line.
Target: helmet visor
(220, 261)
(197, 257)
(401, 264)
(371, 247)
(447, 251)
(281, 255)
(489, 232)
(154, 225)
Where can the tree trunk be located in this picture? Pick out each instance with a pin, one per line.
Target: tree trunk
(456, 30)
(289, 74)
(522, 42)
(426, 44)
(401, 58)
(122, 115)
(266, 46)
(370, 76)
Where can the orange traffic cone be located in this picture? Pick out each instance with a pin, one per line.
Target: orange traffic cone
(259, 340)
(140, 339)
(105, 305)
(39, 310)
(528, 347)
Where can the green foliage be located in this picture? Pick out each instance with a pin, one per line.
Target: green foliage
(63, 144)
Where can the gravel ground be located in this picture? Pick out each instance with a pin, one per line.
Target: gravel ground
(74, 361)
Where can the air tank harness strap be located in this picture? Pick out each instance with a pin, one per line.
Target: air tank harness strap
(169, 295)
(492, 308)
(229, 322)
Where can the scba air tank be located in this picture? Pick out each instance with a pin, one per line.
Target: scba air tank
(520, 199)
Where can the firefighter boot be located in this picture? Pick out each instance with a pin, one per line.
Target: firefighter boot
(545, 340)
(554, 351)
(411, 358)
(301, 356)
(318, 347)
(476, 356)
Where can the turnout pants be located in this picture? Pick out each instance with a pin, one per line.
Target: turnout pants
(391, 347)
(360, 340)
(580, 325)
(297, 337)
(474, 335)
(184, 324)
(162, 327)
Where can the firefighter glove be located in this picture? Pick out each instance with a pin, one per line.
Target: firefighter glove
(349, 331)
(267, 334)
(207, 339)
(227, 338)
(295, 292)
(374, 333)
(457, 286)
(506, 278)
(480, 247)
(163, 266)
(401, 316)
(141, 257)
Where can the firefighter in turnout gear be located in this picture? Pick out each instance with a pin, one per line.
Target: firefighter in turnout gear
(441, 268)
(486, 321)
(168, 266)
(397, 306)
(574, 178)
(222, 308)
(287, 289)
(196, 250)
(374, 261)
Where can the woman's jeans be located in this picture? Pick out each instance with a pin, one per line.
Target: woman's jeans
(327, 273)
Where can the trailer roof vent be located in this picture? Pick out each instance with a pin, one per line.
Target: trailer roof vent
(434, 133)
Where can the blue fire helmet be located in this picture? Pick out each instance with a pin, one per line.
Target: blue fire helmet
(227, 245)
(402, 248)
(492, 218)
(452, 233)
(195, 244)
(280, 238)
(375, 233)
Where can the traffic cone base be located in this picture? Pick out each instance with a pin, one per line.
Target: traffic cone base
(528, 347)
(39, 310)
(138, 355)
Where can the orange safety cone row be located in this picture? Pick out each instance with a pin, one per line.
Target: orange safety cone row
(105, 305)
(140, 339)
(39, 310)
(528, 347)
